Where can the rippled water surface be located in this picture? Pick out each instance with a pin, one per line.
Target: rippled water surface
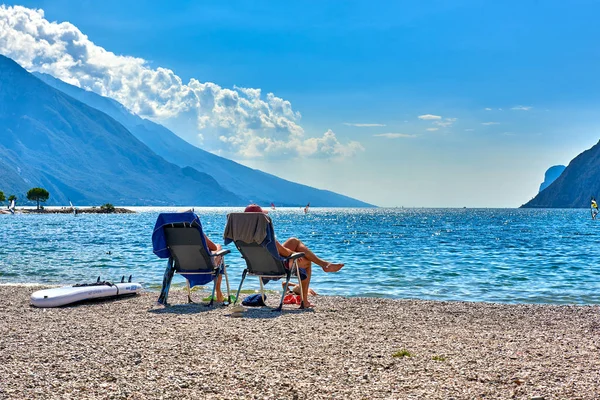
(497, 255)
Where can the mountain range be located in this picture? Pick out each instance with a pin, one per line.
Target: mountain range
(90, 149)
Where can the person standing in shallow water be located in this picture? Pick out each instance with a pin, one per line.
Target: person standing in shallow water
(594, 208)
(295, 245)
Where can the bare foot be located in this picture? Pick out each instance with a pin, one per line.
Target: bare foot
(332, 267)
(304, 305)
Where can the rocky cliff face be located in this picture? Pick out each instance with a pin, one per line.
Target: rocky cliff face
(551, 174)
(576, 184)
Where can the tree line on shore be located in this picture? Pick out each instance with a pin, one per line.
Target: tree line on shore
(34, 194)
(41, 195)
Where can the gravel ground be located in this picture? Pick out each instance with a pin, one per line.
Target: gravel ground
(358, 348)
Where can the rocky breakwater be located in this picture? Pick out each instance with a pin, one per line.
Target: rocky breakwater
(90, 210)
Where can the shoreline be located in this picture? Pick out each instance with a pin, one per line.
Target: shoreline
(155, 288)
(363, 348)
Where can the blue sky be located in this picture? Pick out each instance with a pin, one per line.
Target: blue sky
(514, 85)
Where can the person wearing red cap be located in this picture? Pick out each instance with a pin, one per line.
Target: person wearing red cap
(295, 245)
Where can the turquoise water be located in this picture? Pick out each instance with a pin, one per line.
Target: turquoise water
(496, 255)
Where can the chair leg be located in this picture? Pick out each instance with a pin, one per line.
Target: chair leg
(189, 290)
(212, 295)
(285, 288)
(262, 289)
(166, 285)
(299, 283)
(227, 283)
(237, 296)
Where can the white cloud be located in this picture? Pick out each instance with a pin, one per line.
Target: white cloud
(429, 117)
(432, 129)
(395, 135)
(363, 125)
(447, 122)
(469, 130)
(487, 109)
(522, 108)
(240, 121)
(490, 123)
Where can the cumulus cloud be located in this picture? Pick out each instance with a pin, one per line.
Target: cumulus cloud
(395, 135)
(432, 129)
(243, 121)
(490, 123)
(522, 108)
(487, 109)
(429, 117)
(363, 125)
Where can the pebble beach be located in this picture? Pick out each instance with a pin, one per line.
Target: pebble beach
(344, 348)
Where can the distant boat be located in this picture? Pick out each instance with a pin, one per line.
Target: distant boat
(11, 208)
(306, 208)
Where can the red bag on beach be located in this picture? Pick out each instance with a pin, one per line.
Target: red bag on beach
(292, 299)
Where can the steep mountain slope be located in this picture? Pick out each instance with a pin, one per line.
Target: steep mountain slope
(576, 184)
(76, 152)
(551, 175)
(247, 183)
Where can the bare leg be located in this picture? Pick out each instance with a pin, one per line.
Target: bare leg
(218, 292)
(304, 263)
(296, 245)
(217, 261)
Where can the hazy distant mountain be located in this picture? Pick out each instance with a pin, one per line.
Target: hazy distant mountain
(576, 184)
(247, 183)
(76, 152)
(551, 174)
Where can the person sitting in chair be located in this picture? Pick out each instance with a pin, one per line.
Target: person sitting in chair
(295, 245)
(217, 261)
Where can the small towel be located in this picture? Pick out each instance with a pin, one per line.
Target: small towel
(247, 227)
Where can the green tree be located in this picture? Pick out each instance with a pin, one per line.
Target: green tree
(38, 194)
(2, 198)
(107, 208)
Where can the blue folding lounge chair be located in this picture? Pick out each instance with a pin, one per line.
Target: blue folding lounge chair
(254, 237)
(179, 237)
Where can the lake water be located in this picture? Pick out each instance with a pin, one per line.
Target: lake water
(495, 255)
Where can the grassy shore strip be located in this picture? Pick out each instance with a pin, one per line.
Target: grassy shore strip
(358, 348)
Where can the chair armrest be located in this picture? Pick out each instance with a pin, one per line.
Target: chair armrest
(295, 256)
(221, 252)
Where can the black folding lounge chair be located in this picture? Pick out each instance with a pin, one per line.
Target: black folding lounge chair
(254, 237)
(179, 237)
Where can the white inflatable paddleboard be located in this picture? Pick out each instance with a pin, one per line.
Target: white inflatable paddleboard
(71, 294)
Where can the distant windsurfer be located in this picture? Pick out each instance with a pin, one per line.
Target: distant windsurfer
(594, 208)
(73, 208)
(306, 208)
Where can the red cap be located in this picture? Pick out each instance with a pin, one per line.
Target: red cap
(254, 208)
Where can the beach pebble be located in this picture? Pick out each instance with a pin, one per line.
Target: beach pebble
(341, 349)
